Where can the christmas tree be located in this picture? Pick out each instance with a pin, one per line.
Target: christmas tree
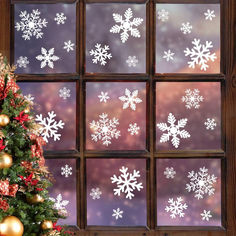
(25, 207)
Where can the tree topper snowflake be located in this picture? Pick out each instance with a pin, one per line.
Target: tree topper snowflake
(126, 182)
(66, 170)
(126, 25)
(95, 193)
(176, 208)
(169, 172)
(47, 57)
(59, 204)
(192, 98)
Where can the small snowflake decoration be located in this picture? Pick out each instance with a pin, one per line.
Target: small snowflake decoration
(31, 24)
(206, 215)
(59, 204)
(104, 129)
(103, 97)
(126, 182)
(192, 98)
(176, 208)
(66, 170)
(132, 61)
(100, 54)
(50, 126)
(200, 54)
(130, 99)
(168, 55)
(186, 28)
(64, 93)
(126, 25)
(209, 15)
(201, 183)
(173, 130)
(22, 62)
(60, 18)
(69, 46)
(117, 213)
(210, 124)
(47, 58)
(169, 172)
(29, 98)
(95, 193)
(163, 15)
(133, 129)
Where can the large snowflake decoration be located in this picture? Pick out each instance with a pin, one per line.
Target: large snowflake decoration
(209, 15)
(64, 93)
(95, 193)
(169, 172)
(192, 98)
(59, 204)
(103, 97)
(69, 46)
(49, 126)
(126, 25)
(100, 54)
(133, 129)
(130, 99)
(210, 123)
(22, 62)
(168, 55)
(201, 183)
(132, 61)
(163, 15)
(200, 54)
(206, 215)
(126, 182)
(105, 129)
(117, 213)
(66, 170)
(176, 208)
(173, 130)
(186, 28)
(47, 58)
(31, 24)
(60, 18)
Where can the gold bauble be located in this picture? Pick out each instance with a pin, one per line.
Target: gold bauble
(5, 160)
(47, 224)
(36, 198)
(4, 120)
(11, 226)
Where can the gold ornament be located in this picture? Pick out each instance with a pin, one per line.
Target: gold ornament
(36, 198)
(47, 224)
(11, 226)
(5, 160)
(4, 120)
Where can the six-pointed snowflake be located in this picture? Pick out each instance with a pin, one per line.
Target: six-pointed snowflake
(22, 62)
(201, 183)
(132, 61)
(69, 46)
(130, 99)
(186, 28)
(104, 129)
(192, 98)
(100, 54)
(31, 24)
(174, 130)
(200, 54)
(66, 170)
(60, 18)
(126, 182)
(29, 98)
(95, 193)
(49, 126)
(168, 55)
(103, 97)
(126, 25)
(64, 93)
(209, 15)
(117, 213)
(210, 123)
(163, 15)
(59, 204)
(47, 58)
(176, 208)
(206, 215)
(133, 129)
(169, 172)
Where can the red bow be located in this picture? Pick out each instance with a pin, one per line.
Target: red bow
(29, 180)
(4, 89)
(57, 227)
(7, 189)
(1, 145)
(22, 118)
(4, 205)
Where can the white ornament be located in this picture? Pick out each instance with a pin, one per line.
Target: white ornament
(169, 172)
(60, 18)
(126, 182)
(117, 213)
(95, 193)
(64, 93)
(31, 24)
(105, 129)
(163, 15)
(22, 62)
(47, 57)
(69, 46)
(103, 97)
(126, 25)
(210, 123)
(66, 170)
(186, 28)
(59, 204)
(29, 98)
(176, 208)
(168, 55)
(200, 54)
(209, 15)
(132, 61)
(192, 98)
(174, 130)
(133, 129)
(49, 126)
(201, 183)
(206, 215)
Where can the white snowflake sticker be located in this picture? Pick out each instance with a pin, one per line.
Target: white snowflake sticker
(168, 55)
(126, 182)
(29, 98)
(176, 208)
(209, 15)
(132, 61)
(186, 28)
(60, 18)
(59, 204)
(66, 170)
(64, 93)
(210, 124)
(117, 213)
(206, 215)
(69, 46)
(169, 172)
(126, 25)
(163, 15)
(47, 58)
(133, 129)
(192, 98)
(95, 193)
(22, 62)
(103, 97)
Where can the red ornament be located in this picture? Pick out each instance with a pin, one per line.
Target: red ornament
(4, 205)
(22, 118)
(5, 88)
(7, 189)
(1, 145)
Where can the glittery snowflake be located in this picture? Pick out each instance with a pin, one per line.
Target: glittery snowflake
(200, 54)
(206, 215)
(169, 172)
(192, 98)
(209, 15)
(22, 62)
(31, 24)
(47, 58)
(126, 25)
(168, 55)
(95, 193)
(103, 97)
(59, 204)
(64, 93)
(60, 18)
(100, 54)
(132, 61)
(163, 15)
(117, 213)
(105, 129)
(210, 123)
(186, 28)
(50, 126)
(133, 129)
(176, 208)
(69, 46)
(66, 170)
(126, 182)
(201, 183)
(173, 130)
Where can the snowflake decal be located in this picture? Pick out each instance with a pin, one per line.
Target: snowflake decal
(100, 54)
(47, 58)
(126, 25)
(206, 215)
(186, 28)
(104, 129)
(200, 54)
(210, 123)
(60, 18)
(201, 183)
(126, 182)
(169, 172)
(103, 97)
(176, 208)
(209, 15)
(64, 93)
(66, 170)
(31, 24)
(22, 62)
(133, 129)
(29, 98)
(173, 130)
(130, 99)
(132, 61)
(69, 46)
(117, 213)
(192, 98)
(168, 55)
(95, 193)
(59, 204)
(49, 126)
(163, 15)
